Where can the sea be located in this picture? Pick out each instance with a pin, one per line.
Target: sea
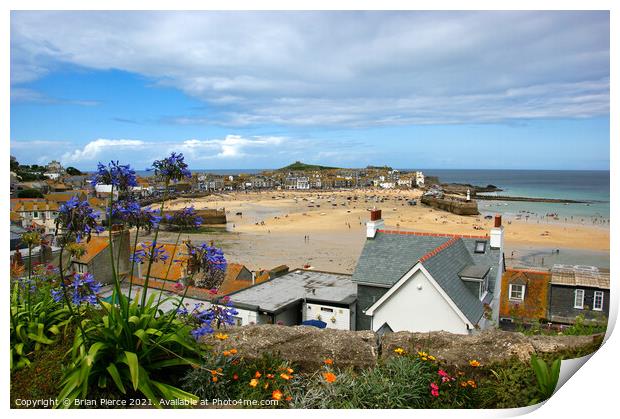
(579, 185)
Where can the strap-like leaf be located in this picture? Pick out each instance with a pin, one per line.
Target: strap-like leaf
(134, 368)
(116, 377)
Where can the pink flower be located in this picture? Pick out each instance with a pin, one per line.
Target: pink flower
(434, 390)
(213, 291)
(445, 377)
(178, 287)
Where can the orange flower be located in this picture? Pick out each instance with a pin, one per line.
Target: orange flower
(474, 363)
(330, 377)
(253, 382)
(270, 375)
(226, 353)
(285, 376)
(472, 383)
(221, 336)
(276, 395)
(288, 398)
(290, 370)
(257, 375)
(329, 361)
(233, 351)
(214, 379)
(463, 384)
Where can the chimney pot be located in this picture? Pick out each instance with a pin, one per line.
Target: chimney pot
(498, 220)
(375, 215)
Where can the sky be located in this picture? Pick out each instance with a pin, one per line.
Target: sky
(255, 90)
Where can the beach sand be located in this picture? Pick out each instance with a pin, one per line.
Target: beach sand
(271, 227)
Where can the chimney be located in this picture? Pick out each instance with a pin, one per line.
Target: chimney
(497, 233)
(374, 224)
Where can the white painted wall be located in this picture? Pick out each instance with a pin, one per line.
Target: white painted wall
(418, 307)
(341, 315)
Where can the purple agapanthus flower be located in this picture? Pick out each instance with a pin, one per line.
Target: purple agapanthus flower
(120, 176)
(209, 257)
(203, 320)
(82, 289)
(172, 168)
(79, 218)
(134, 215)
(184, 218)
(148, 252)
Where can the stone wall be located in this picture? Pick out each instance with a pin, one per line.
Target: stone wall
(308, 346)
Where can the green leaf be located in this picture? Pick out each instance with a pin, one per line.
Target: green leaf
(174, 393)
(116, 377)
(134, 368)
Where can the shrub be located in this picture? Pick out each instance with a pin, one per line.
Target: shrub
(507, 385)
(228, 376)
(36, 319)
(398, 382)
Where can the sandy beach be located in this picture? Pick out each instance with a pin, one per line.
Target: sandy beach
(266, 229)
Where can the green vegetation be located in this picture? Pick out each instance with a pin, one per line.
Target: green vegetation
(29, 193)
(299, 166)
(72, 171)
(546, 377)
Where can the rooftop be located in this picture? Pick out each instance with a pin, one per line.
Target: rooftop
(274, 295)
(580, 276)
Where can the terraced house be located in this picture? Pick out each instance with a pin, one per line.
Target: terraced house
(424, 282)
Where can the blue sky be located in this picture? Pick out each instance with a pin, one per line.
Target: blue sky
(485, 90)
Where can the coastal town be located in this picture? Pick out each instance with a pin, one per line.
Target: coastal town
(474, 288)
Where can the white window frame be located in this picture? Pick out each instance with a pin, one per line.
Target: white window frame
(583, 297)
(602, 295)
(510, 288)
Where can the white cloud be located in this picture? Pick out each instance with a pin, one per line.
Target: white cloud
(94, 149)
(231, 146)
(339, 68)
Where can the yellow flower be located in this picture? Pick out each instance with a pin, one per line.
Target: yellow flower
(221, 336)
(474, 363)
(399, 351)
(266, 386)
(276, 395)
(432, 358)
(253, 382)
(422, 354)
(424, 358)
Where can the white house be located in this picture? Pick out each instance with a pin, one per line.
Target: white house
(419, 179)
(423, 282)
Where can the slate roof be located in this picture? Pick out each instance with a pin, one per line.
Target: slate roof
(474, 271)
(391, 254)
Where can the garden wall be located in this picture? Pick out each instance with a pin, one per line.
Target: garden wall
(308, 346)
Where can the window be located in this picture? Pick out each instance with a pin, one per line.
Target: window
(480, 247)
(329, 310)
(598, 301)
(516, 292)
(35, 214)
(579, 295)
